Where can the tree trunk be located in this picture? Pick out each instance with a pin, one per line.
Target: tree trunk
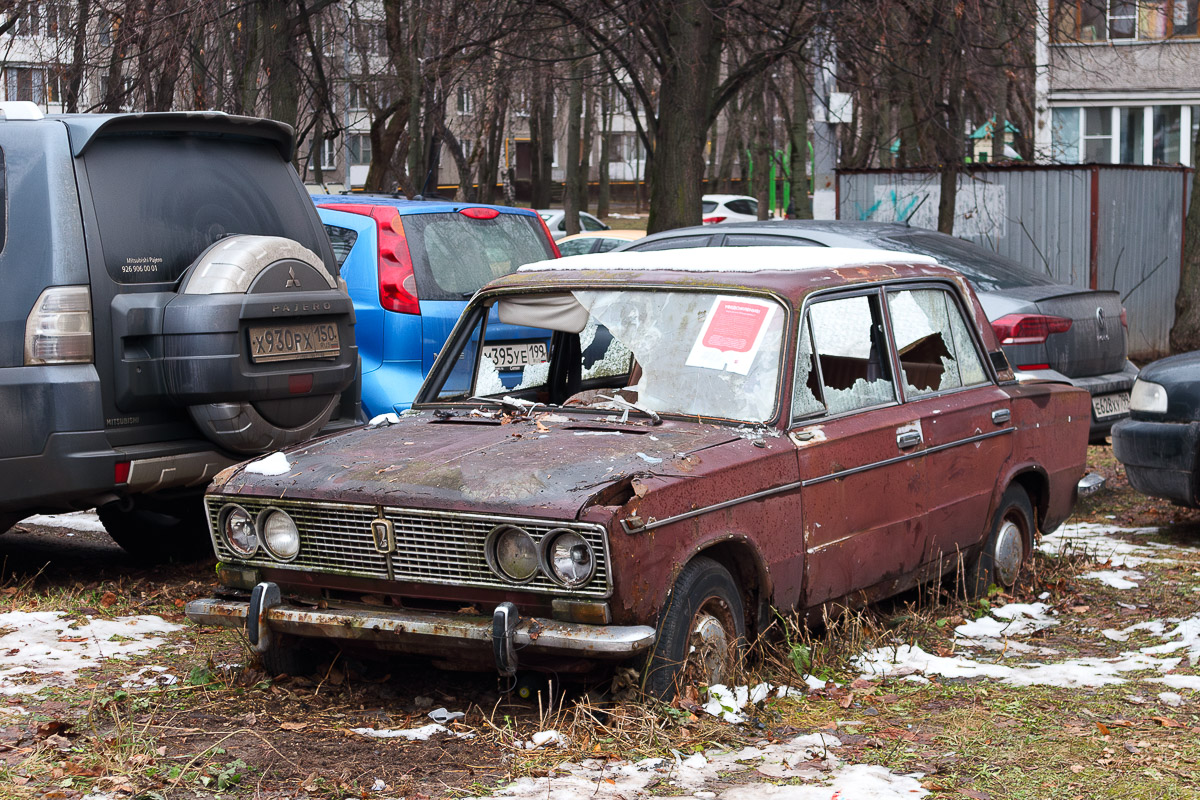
(761, 150)
(602, 199)
(75, 71)
(585, 148)
(689, 79)
(571, 188)
(801, 203)
(1185, 333)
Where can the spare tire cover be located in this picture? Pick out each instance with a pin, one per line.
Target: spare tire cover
(231, 266)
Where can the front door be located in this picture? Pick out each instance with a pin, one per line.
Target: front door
(860, 454)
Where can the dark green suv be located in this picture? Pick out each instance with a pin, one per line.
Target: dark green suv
(171, 306)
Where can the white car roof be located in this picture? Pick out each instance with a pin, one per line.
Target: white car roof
(730, 259)
(721, 198)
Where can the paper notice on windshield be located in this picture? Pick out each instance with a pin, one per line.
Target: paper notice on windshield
(732, 334)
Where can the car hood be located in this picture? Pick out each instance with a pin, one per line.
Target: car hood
(548, 466)
(1180, 376)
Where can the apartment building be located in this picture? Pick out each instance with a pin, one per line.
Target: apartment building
(1119, 81)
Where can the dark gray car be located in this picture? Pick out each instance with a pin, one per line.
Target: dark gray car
(172, 305)
(1048, 330)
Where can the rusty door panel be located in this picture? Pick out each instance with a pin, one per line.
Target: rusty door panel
(867, 526)
(1051, 440)
(961, 466)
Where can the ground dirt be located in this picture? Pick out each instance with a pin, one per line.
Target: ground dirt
(217, 726)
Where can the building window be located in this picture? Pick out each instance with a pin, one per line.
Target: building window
(25, 83)
(1097, 135)
(326, 150)
(1123, 20)
(359, 145)
(1064, 135)
(465, 103)
(358, 97)
(1167, 121)
(1133, 139)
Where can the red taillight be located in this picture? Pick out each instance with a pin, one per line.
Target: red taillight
(713, 220)
(549, 238)
(479, 213)
(397, 284)
(1124, 318)
(121, 472)
(300, 384)
(1031, 367)
(1028, 328)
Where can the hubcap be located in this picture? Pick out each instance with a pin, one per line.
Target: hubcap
(709, 650)
(1010, 547)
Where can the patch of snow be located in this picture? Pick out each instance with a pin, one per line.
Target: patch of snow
(274, 464)
(442, 716)
(1118, 579)
(421, 734)
(1171, 699)
(1014, 619)
(76, 521)
(692, 776)
(726, 702)
(1074, 673)
(1179, 681)
(43, 648)
(1100, 544)
(149, 678)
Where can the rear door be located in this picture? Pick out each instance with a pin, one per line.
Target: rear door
(965, 418)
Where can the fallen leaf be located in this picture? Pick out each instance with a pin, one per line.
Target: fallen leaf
(293, 726)
(845, 702)
(73, 638)
(1167, 722)
(1077, 768)
(610, 781)
(108, 600)
(1104, 731)
(974, 794)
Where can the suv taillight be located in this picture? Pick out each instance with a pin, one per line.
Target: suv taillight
(59, 328)
(712, 220)
(397, 283)
(1028, 328)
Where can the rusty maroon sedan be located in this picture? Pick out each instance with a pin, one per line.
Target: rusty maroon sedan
(714, 434)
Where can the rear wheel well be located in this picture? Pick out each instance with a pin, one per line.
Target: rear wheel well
(743, 563)
(1037, 487)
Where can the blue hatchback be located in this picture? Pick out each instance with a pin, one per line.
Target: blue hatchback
(410, 267)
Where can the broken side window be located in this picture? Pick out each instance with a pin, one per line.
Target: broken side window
(936, 353)
(806, 389)
(851, 353)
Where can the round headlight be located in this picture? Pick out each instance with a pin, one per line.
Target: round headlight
(512, 554)
(1147, 397)
(568, 558)
(238, 527)
(279, 534)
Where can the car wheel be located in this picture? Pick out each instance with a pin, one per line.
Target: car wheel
(1004, 552)
(286, 655)
(701, 633)
(156, 529)
(236, 265)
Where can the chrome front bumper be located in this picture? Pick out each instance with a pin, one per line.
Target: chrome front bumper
(423, 631)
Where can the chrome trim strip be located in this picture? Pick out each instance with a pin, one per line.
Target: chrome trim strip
(398, 626)
(787, 487)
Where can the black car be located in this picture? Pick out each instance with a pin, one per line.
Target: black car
(1159, 442)
(173, 305)
(1048, 330)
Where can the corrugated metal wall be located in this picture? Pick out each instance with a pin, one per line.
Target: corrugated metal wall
(1042, 217)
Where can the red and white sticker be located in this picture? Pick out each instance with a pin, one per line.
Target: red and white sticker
(732, 334)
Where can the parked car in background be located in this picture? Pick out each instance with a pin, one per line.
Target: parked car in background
(410, 267)
(1049, 331)
(717, 208)
(596, 241)
(784, 429)
(556, 222)
(1160, 442)
(173, 307)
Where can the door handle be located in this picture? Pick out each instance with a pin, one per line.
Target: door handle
(1001, 416)
(907, 439)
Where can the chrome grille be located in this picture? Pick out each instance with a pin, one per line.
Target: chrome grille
(431, 546)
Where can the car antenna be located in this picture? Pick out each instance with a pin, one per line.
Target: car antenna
(916, 208)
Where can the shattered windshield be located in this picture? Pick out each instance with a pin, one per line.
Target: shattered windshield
(690, 353)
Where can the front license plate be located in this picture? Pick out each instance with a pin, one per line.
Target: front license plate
(1110, 405)
(293, 342)
(515, 356)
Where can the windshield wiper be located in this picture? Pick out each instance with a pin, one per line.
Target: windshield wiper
(621, 402)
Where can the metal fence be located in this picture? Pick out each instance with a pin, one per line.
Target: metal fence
(1093, 226)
